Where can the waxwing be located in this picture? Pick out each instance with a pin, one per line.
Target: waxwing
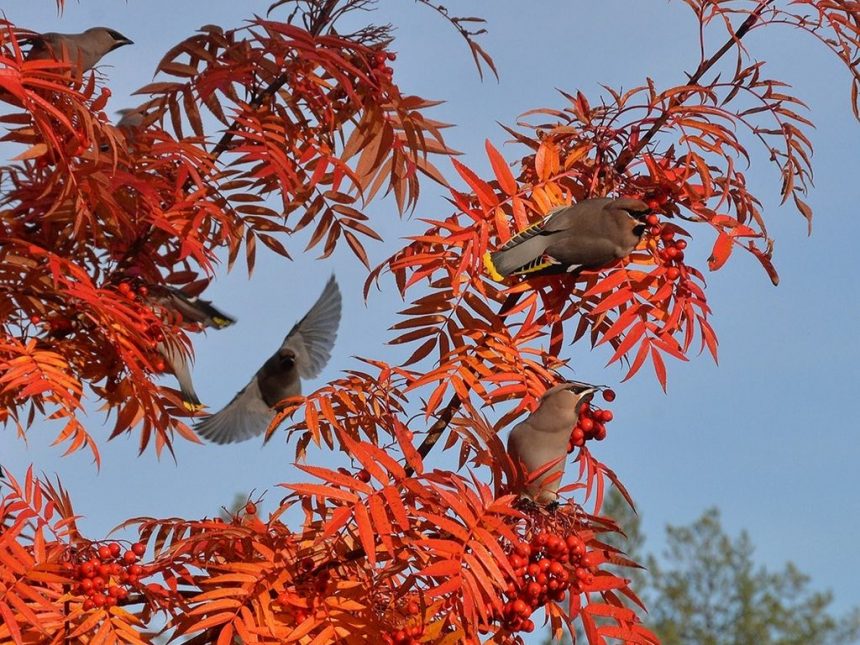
(587, 235)
(84, 49)
(303, 354)
(188, 309)
(543, 437)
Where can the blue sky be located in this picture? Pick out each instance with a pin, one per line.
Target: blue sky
(769, 435)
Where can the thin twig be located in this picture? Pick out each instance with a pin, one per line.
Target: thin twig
(630, 153)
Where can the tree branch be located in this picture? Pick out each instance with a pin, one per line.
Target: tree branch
(629, 154)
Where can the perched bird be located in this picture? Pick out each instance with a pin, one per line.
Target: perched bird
(303, 354)
(543, 437)
(587, 235)
(81, 50)
(188, 309)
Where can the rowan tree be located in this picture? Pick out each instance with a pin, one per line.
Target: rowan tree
(251, 134)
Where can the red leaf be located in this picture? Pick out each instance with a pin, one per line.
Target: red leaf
(502, 170)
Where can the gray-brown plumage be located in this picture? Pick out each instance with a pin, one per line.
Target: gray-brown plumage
(186, 309)
(587, 235)
(130, 118)
(82, 51)
(303, 354)
(543, 437)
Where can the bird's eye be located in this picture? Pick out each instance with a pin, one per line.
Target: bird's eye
(115, 35)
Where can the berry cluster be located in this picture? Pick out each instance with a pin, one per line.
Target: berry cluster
(545, 569)
(302, 601)
(380, 68)
(591, 424)
(106, 574)
(407, 634)
(672, 252)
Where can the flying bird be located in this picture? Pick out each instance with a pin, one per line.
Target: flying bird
(543, 437)
(303, 354)
(187, 309)
(587, 235)
(81, 50)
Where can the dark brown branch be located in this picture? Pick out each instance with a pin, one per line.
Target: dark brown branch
(629, 154)
(436, 430)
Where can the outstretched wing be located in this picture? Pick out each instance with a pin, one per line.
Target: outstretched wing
(312, 338)
(246, 416)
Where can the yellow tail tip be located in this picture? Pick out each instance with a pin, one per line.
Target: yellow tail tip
(192, 407)
(491, 268)
(220, 323)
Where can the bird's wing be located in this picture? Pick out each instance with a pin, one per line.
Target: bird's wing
(312, 338)
(246, 416)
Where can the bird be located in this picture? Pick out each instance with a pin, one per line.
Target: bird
(543, 437)
(130, 118)
(188, 309)
(81, 50)
(587, 235)
(303, 354)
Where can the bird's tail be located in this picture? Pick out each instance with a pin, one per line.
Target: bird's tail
(218, 317)
(518, 258)
(181, 370)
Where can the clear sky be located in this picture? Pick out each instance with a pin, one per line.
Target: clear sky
(769, 435)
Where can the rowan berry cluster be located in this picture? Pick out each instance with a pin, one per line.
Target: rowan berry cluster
(408, 634)
(106, 573)
(545, 569)
(591, 423)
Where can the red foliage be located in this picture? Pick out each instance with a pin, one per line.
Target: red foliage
(95, 216)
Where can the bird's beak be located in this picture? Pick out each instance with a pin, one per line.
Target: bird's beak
(121, 43)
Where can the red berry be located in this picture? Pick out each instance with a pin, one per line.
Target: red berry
(129, 557)
(523, 549)
(654, 231)
(652, 220)
(363, 475)
(680, 256)
(104, 570)
(35, 319)
(135, 570)
(587, 425)
(606, 416)
(143, 291)
(114, 591)
(392, 56)
(578, 436)
(110, 601)
(89, 604)
(251, 508)
(125, 288)
(88, 570)
(114, 549)
(159, 365)
(139, 548)
(528, 626)
(673, 273)
(608, 395)
(653, 205)
(516, 561)
(681, 245)
(672, 253)
(412, 608)
(667, 235)
(87, 585)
